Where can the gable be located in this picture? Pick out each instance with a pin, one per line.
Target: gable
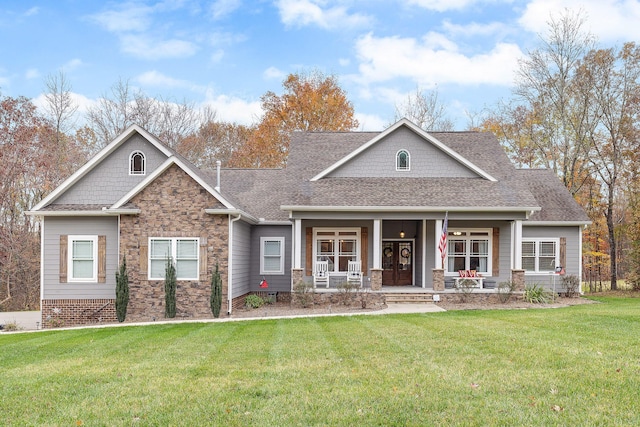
(109, 179)
(425, 160)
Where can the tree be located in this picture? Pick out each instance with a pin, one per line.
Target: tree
(216, 293)
(545, 82)
(59, 105)
(122, 291)
(425, 110)
(311, 102)
(170, 290)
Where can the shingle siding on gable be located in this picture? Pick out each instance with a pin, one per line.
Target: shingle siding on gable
(380, 160)
(110, 180)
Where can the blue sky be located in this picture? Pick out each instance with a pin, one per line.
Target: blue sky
(227, 53)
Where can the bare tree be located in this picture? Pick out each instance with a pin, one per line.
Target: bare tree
(60, 107)
(425, 110)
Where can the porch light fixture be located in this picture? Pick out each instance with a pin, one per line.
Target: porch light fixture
(402, 231)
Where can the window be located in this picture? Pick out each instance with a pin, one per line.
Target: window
(182, 251)
(337, 246)
(271, 255)
(83, 255)
(469, 250)
(137, 163)
(540, 255)
(403, 162)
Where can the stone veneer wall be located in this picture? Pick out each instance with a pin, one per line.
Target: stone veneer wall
(173, 206)
(57, 313)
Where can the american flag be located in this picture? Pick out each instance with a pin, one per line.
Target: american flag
(442, 245)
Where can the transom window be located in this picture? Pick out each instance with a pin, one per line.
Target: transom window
(540, 255)
(83, 255)
(137, 163)
(271, 255)
(337, 246)
(183, 252)
(403, 160)
(469, 250)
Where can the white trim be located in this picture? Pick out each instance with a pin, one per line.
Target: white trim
(102, 212)
(557, 223)
(517, 248)
(421, 133)
(468, 237)
(174, 253)
(168, 163)
(377, 244)
(424, 253)
(280, 270)
(297, 244)
(144, 163)
(94, 273)
(102, 154)
(408, 160)
(42, 261)
(336, 246)
(405, 209)
(537, 241)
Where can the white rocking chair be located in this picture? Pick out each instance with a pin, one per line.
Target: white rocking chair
(321, 274)
(354, 273)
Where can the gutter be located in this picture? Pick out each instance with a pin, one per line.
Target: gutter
(230, 264)
(404, 209)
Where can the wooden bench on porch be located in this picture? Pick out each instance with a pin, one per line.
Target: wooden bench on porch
(471, 275)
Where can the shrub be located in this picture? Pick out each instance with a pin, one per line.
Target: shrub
(505, 291)
(303, 294)
(10, 327)
(571, 286)
(465, 287)
(170, 290)
(122, 291)
(216, 293)
(253, 301)
(345, 289)
(536, 294)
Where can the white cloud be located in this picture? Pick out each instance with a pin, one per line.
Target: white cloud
(433, 60)
(72, 64)
(32, 73)
(370, 122)
(129, 18)
(273, 73)
(222, 8)
(301, 13)
(442, 5)
(233, 109)
(609, 20)
(144, 47)
(216, 56)
(32, 11)
(155, 78)
(475, 29)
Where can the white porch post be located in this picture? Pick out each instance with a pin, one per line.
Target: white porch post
(424, 253)
(517, 245)
(297, 243)
(438, 258)
(377, 243)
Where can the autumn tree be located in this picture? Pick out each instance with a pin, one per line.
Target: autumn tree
(310, 102)
(425, 110)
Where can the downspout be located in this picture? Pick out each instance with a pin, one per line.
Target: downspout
(218, 164)
(230, 264)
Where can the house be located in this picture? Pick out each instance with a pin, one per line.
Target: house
(380, 198)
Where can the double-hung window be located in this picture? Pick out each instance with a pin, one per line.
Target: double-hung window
(182, 251)
(540, 255)
(83, 258)
(271, 255)
(337, 246)
(469, 250)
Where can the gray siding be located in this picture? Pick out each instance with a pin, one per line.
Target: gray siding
(241, 258)
(279, 282)
(53, 228)
(426, 160)
(572, 234)
(110, 180)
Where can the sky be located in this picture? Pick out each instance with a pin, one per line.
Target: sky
(226, 54)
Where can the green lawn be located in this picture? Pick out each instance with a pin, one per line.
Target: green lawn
(572, 366)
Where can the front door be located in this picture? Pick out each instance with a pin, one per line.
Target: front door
(397, 263)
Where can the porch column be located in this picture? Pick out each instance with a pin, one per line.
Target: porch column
(424, 253)
(297, 244)
(517, 245)
(377, 243)
(438, 259)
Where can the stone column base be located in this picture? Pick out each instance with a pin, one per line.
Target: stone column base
(376, 279)
(517, 277)
(438, 279)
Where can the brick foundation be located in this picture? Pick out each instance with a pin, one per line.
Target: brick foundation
(73, 312)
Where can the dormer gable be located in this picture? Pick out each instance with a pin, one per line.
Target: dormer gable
(404, 150)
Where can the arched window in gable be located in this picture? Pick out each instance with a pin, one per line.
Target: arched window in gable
(137, 163)
(403, 160)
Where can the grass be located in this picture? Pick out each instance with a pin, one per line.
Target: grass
(572, 366)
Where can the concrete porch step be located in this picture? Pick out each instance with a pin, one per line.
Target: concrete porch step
(406, 297)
